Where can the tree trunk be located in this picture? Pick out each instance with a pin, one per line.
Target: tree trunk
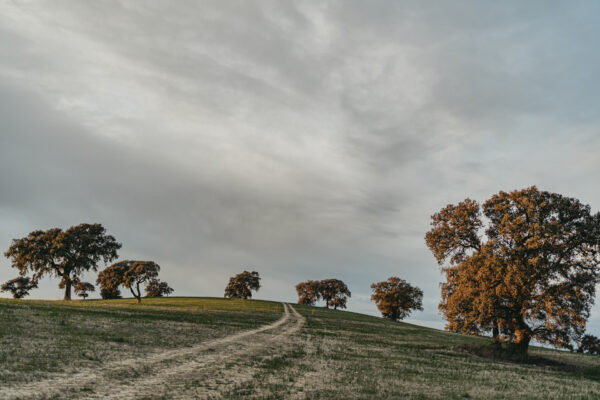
(495, 331)
(67, 289)
(521, 344)
(137, 296)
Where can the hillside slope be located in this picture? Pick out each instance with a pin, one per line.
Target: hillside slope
(233, 349)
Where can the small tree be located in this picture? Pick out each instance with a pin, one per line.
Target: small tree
(82, 289)
(112, 293)
(19, 287)
(335, 293)
(156, 288)
(309, 292)
(396, 298)
(65, 254)
(589, 344)
(130, 274)
(242, 285)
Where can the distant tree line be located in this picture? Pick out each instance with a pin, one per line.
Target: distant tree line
(521, 266)
(68, 254)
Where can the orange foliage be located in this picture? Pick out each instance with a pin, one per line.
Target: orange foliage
(396, 298)
(528, 273)
(309, 292)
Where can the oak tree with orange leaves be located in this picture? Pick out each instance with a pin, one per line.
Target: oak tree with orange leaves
(396, 298)
(524, 265)
(242, 285)
(309, 292)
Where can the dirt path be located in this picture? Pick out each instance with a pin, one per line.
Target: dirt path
(206, 370)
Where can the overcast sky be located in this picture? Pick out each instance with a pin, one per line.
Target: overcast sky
(302, 139)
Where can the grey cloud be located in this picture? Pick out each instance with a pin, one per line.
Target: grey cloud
(308, 140)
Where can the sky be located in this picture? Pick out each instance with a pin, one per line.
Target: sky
(301, 139)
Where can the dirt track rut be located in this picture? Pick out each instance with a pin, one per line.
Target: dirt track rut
(204, 371)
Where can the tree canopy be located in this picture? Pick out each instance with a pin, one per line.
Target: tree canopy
(589, 344)
(132, 275)
(242, 285)
(309, 292)
(335, 293)
(396, 298)
(156, 288)
(112, 293)
(64, 254)
(524, 266)
(83, 289)
(19, 286)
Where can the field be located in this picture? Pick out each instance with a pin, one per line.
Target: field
(211, 348)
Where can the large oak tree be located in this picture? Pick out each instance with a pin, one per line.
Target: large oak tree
(64, 254)
(523, 266)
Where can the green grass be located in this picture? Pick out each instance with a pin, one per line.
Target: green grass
(345, 355)
(42, 337)
(179, 303)
(335, 355)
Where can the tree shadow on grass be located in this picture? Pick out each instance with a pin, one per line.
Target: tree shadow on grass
(498, 352)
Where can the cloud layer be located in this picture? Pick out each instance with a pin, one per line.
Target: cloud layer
(306, 140)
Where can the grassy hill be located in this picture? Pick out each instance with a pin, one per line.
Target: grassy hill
(217, 348)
